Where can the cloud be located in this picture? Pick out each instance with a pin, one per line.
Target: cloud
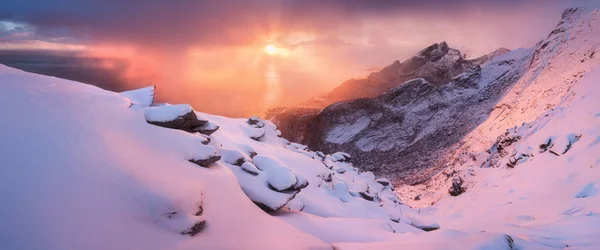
(193, 49)
(232, 22)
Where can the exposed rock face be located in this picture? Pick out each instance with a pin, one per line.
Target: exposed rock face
(293, 122)
(552, 82)
(410, 128)
(438, 64)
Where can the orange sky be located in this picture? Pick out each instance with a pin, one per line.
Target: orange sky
(213, 54)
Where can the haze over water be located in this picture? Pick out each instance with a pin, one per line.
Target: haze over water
(240, 58)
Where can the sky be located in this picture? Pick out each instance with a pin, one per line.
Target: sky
(213, 52)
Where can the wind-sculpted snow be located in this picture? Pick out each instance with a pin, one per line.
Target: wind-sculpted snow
(141, 98)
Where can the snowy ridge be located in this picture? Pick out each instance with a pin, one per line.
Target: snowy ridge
(560, 63)
(531, 169)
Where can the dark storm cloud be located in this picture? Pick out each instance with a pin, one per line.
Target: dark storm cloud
(208, 22)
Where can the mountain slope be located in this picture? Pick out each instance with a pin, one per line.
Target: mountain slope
(84, 168)
(437, 63)
(91, 173)
(562, 70)
(81, 170)
(391, 134)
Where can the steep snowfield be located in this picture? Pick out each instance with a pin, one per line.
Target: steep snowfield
(539, 149)
(80, 170)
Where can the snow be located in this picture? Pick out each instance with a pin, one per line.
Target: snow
(201, 152)
(443, 239)
(166, 113)
(278, 175)
(91, 173)
(344, 132)
(587, 191)
(250, 168)
(234, 157)
(140, 98)
(548, 198)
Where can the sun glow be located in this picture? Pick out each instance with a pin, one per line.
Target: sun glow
(271, 49)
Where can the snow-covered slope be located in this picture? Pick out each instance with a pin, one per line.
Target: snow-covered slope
(532, 169)
(84, 168)
(81, 170)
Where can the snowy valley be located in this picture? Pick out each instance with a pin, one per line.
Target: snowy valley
(508, 158)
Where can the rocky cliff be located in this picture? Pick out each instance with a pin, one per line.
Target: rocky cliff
(438, 64)
(419, 128)
(411, 127)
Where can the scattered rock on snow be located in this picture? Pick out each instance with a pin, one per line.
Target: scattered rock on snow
(279, 176)
(456, 189)
(233, 157)
(383, 181)
(208, 128)
(204, 156)
(366, 196)
(205, 139)
(257, 122)
(257, 133)
(548, 144)
(195, 229)
(564, 144)
(341, 157)
(250, 168)
(174, 116)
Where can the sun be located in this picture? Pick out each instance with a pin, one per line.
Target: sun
(271, 49)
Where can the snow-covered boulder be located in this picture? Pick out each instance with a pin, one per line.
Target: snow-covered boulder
(113, 181)
(279, 176)
(250, 168)
(179, 116)
(208, 128)
(341, 157)
(256, 121)
(234, 157)
(204, 155)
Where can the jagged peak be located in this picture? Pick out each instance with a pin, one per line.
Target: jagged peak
(435, 51)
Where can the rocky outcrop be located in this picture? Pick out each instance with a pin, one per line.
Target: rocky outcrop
(293, 122)
(412, 127)
(437, 64)
(180, 117)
